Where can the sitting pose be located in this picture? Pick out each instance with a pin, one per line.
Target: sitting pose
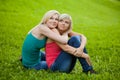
(62, 57)
(32, 56)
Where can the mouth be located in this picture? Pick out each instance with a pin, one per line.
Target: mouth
(53, 25)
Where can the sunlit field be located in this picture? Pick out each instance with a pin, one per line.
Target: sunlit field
(98, 20)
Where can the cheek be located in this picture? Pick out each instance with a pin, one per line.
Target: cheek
(47, 23)
(67, 26)
(57, 22)
(59, 25)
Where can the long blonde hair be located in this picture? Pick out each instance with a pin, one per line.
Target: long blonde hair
(66, 16)
(48, 15)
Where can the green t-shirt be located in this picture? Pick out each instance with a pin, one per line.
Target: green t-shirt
(31, 50)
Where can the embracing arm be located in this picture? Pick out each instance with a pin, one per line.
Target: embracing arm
(70, 49)
(65, 47)
(52, 35)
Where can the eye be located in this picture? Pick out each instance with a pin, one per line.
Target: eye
(60, 20)
(66, 22)
(56, 19)
(51, 17)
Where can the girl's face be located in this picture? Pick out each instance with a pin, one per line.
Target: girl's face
(63, 25)
(52, 22)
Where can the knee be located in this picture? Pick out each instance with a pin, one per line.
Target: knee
(66, 67)
(74, 41)
(75, 38)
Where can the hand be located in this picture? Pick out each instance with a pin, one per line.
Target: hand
(78, 52)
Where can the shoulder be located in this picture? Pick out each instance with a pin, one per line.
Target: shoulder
(43, 28)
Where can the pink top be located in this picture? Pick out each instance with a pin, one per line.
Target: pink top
(52, 51)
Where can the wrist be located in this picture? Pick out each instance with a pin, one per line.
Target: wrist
(74, 53)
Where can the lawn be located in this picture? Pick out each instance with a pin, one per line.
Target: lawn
(98, 20)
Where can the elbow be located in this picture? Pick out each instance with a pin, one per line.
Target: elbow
(83, 37)
(65, 42)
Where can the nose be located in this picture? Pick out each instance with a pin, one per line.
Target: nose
(63, 22)
(55, 20)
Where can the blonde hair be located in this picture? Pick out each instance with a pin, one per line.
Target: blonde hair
(48, 15)
(66, 16)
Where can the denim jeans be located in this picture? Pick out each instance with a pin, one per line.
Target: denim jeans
(65, 62)
(42, 64)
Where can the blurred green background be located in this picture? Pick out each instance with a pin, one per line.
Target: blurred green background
(98, 20)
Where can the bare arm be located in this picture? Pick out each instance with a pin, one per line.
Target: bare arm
(52, 35)
(69, 49)
(75, 51)
(65, 47)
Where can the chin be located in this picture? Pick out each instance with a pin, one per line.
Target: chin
(51, 27)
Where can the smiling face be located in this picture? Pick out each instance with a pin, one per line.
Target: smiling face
(50, 19)
(52, 22)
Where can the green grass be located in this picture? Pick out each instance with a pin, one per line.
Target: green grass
(98, 20)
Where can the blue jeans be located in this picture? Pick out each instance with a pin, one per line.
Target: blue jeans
(42, 64)
(65, 62)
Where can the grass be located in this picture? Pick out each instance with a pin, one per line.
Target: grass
(98, 20)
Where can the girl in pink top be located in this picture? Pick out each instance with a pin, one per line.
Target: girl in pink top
(64, 61)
